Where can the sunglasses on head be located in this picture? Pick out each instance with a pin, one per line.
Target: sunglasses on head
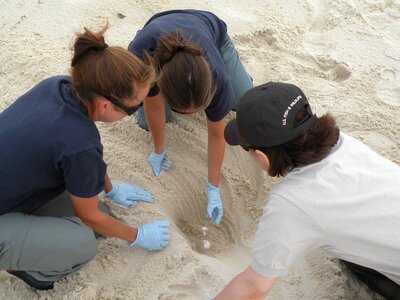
(129, 110)
(179, 112)
(247, 148)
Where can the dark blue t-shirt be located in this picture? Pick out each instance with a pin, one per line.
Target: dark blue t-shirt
(206, 30)
(48, 145)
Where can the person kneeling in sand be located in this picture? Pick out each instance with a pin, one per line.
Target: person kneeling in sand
(336, 194)
(198, 70)
(52, 168)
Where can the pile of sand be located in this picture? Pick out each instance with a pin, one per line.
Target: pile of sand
(346, 58)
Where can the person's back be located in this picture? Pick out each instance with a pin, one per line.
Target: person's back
(52, 168)
(352, 197)
(38, 132)
(336, 194)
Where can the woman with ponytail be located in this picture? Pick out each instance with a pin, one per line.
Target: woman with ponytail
(198, 69)
(52, 168)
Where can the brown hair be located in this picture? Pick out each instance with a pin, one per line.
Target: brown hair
(311, 147)
(185, 77)
(97, 69)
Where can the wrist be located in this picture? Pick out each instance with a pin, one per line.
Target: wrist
(135, 237)
(113, 192)
(159, 150)
(212, 186)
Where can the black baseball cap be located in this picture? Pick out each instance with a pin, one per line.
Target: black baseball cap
(265, 116)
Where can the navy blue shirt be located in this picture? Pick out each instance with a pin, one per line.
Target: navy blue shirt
(209, 33)
(48, 145)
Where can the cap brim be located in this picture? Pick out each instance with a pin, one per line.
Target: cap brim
(231, 133)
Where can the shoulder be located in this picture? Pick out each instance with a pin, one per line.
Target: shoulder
(145, 40)
(51, 83)
(284, 232)
(224, 98)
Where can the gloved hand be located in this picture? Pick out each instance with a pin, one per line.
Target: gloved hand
(159, 162)
(214, 206)
(152, 236)
(127, 195)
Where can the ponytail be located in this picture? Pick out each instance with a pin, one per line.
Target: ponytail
(170, 45)
(97, 69)
(87, 42)
(185, 78)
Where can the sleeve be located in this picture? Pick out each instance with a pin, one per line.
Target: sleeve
(154, 90)
(84, 173)
(144, 41)
(222, 102)
(224, 98)
(284, 232)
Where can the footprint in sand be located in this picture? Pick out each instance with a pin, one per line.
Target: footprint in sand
(388, 89)
(182, 292)
(268, 44)
(376, 140)
(189, 287)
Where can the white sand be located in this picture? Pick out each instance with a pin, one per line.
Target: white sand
(345, 56)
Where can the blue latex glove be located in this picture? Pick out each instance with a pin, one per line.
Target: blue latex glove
(159, 162)
(214, 206)
(127, 195)
(152, 236)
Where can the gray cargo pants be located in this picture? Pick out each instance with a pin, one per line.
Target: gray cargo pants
(48, 243)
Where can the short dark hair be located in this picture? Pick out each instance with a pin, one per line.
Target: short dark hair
(311, 147)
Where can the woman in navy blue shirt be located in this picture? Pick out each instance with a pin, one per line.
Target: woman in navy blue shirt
(198, 69)
(52, 168)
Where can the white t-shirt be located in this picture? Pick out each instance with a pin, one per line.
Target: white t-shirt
(347, 204)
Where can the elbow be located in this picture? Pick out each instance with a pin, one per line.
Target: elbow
(260, 285)
(91, 220)
(259, 291)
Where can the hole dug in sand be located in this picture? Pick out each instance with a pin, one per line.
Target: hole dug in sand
(202, 236)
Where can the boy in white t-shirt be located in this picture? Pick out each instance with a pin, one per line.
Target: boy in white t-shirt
(336, 194)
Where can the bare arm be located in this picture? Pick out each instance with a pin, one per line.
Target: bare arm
(86, 209)
(216, 150)
(154, 108)
(247, 285)
(107, 185)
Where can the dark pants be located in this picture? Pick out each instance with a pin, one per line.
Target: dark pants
(376, 281)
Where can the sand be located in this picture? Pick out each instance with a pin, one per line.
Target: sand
(344, 55)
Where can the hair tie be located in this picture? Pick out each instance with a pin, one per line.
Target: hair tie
(181, 46)
(99, 48)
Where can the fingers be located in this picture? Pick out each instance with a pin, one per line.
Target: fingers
(157, 172)
(209, 213)
(164, 244)
(164, 236)
(155, 160)
(159, 162)
(125, 204)
(166, 164)
(143, 196)
(163, 223)
(165, 168)
(138, 194)
(216, 216)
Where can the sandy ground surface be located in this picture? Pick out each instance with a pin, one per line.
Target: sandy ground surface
(345, 56)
